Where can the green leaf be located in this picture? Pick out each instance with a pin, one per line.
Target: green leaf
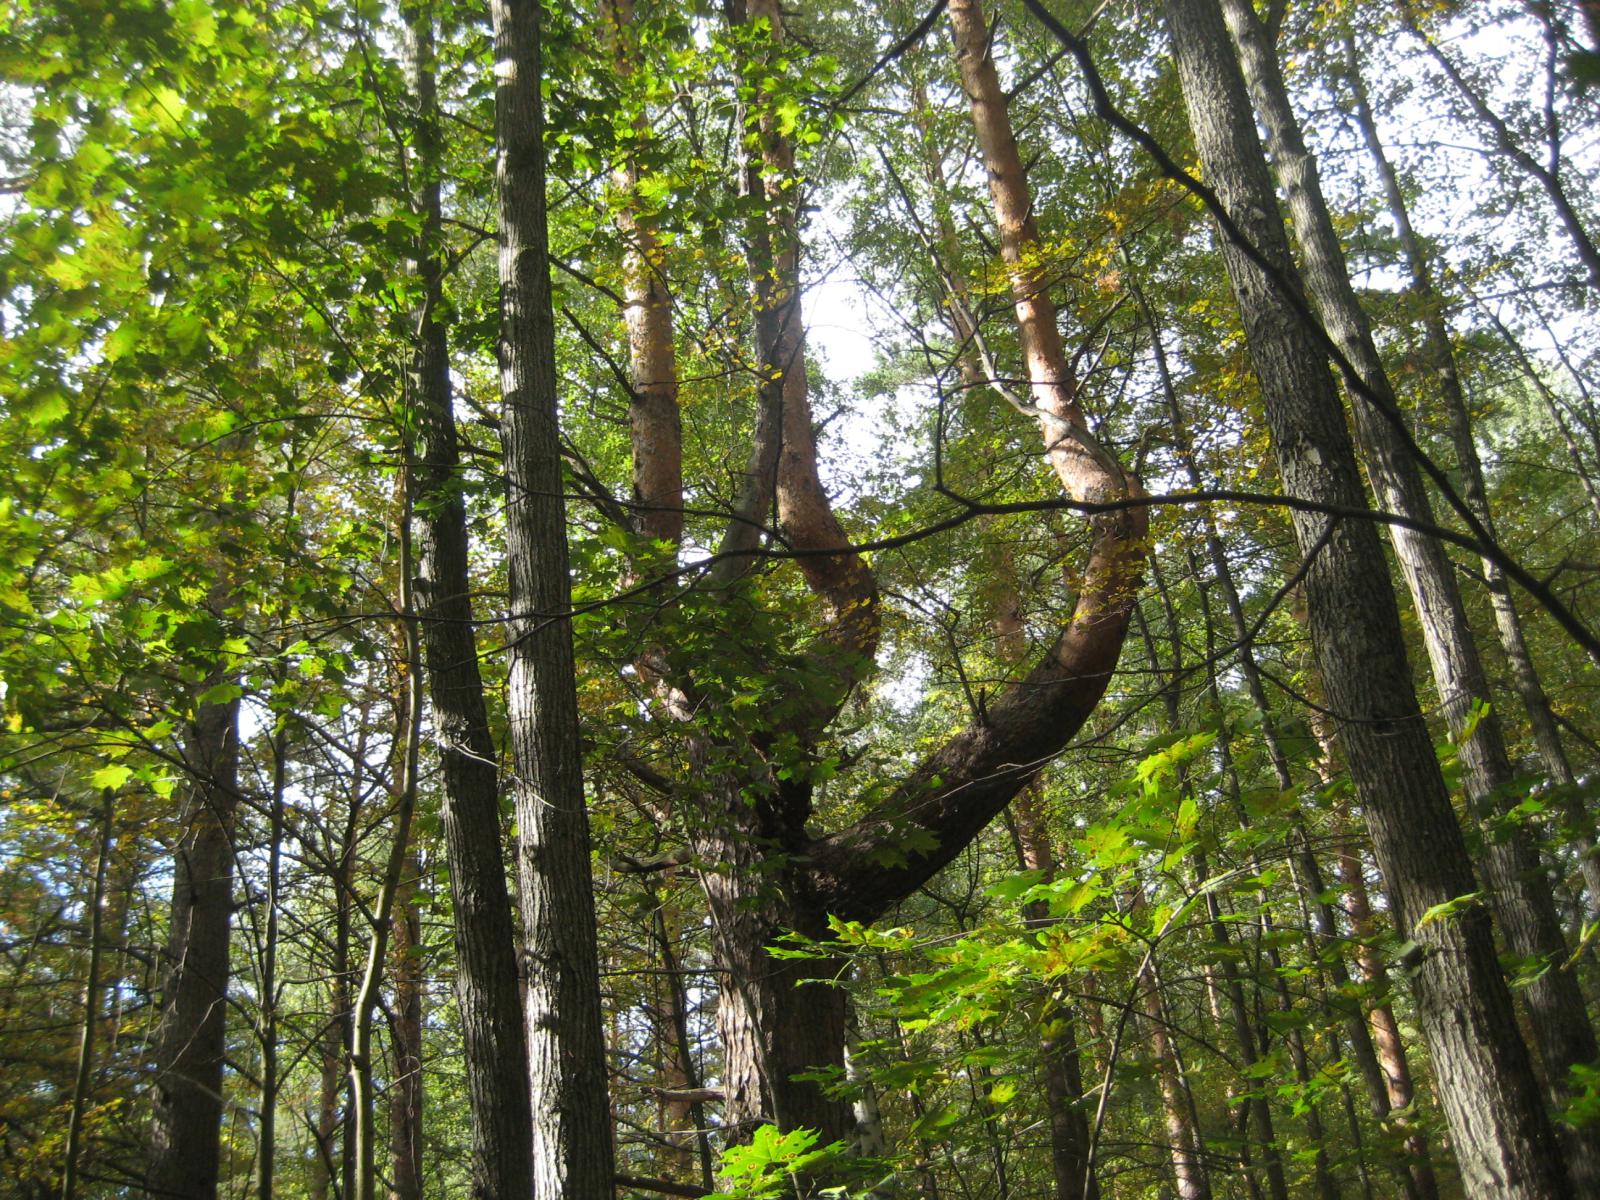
(111, 777)
(1449, 908)
(221, 693)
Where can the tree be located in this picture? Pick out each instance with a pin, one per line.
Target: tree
(571, 1123)
(1504, 1139)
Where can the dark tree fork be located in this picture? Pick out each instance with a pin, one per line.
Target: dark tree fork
(767, 874)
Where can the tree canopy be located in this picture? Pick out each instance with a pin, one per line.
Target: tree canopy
(959, 600)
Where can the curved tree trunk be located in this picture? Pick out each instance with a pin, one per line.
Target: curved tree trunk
(763, 872)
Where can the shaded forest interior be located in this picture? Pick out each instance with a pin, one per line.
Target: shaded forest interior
(969, 599)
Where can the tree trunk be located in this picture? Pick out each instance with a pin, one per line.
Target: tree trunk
(1418, 1174)
(191, 1037)
(1074, 1173)
(1521, 897)
(406, 741)
(406, 1093)
(267, 1022)
(572, 1139)
(84, 1074)
(685, 1118)
(1183, 1143)
(1439, 351)
(1486, 1081)
(774, 1022)
(655, 424)
(495, 1041)
(1256, 1115)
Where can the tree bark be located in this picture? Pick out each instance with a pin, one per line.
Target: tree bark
(1418, 1174)
(1183, 1144)
(655, 424)
(1438, 349)
(966, 781)
(406, 1092)
(495, 1041)
(1521, 896)
(84, 1074)
(406, 741)
(191, 1037)
(1490, 1094)
(1070, 1165)
(572, 1140)
(764, 873)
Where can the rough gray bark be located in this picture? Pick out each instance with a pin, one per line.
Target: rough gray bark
(572, 1142)
(190, 1040)
(1486, 1082)
(267, 1021)
(1438, 347)
(1521, 895)
(486, 974)
(1417, 1175)
(406, 1093)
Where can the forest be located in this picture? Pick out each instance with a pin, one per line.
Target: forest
(959, 599)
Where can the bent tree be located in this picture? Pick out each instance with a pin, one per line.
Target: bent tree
(741, 778)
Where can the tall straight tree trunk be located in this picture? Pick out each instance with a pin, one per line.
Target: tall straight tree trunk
(1523, 903)
(84, 1075)
(1419, 1172)
(686, 1127)
(1074, 1174)
(191, 1037)
(572, 1140)
(1183, 1142)
(267, 1135)
(1255, 1119)
(406, 1092)
(1438, 347)
(487, 990)
(1326, 1185)
(655, 425)
(405, 743)
(1486, 1081)
(1380, 1030)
